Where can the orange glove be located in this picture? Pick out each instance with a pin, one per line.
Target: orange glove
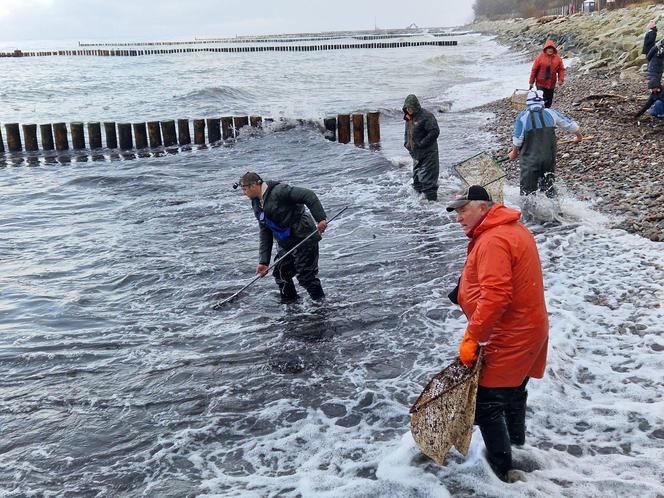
(468, 350)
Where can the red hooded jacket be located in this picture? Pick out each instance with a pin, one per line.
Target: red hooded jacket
(547, 69)
(502, 294)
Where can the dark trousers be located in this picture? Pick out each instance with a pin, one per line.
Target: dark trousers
(500, 412)
(532, 180)
(426, 168)
(654, 97)
(303, 263)
(425, 181)
(548, 97)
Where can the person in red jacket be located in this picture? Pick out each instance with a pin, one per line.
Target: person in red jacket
(548, 69)
(501, 292)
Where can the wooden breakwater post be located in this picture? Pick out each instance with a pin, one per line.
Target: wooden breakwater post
(61, 139)
(168, 133)
(46, 132)
(111, 135)
(240, 122)
(140, 136)
(256, 121)
(77, 136)
(94, 135)
(214, 130)
(227, 127)
(199, 131)
(183, 132)
(30, 137)
(358, 129)
(330, 125)
(373, 127)
(343, 128)
(154, 132)
(124, 135)
(110, 132)
(13, 137)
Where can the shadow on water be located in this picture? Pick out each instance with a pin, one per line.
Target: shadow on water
(301, 332)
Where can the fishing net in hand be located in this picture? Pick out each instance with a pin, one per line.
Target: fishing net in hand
(482, 169)
(443, 415)
(518, 99)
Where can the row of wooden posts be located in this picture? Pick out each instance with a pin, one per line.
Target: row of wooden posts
(200, 41)
(278, 48)
(157, 134)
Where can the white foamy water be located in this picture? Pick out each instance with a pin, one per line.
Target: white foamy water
(120, 380)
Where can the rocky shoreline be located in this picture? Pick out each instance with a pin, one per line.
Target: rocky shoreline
(621, 168)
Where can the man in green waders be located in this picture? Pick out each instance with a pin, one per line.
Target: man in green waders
(421, 140)
(534, 142)
(279, 209)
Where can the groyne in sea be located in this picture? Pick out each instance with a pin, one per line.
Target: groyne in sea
(171, 133)
(234, 49)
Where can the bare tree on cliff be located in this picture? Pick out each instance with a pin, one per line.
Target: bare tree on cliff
(493, 9)
(511, 8)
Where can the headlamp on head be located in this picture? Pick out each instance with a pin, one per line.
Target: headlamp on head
(248, 179)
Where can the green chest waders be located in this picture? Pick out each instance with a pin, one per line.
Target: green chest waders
(538, 157)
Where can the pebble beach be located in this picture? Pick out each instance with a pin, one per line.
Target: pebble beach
(619, 168)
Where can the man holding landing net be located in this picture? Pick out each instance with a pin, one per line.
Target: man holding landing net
(501, 293)
(279, 209)
(534, 141)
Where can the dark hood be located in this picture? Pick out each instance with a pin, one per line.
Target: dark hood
(412, 102)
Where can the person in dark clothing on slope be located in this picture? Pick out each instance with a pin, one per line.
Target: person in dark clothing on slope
(421, 140)
(655, 67)
(650, 38)
(279, 209)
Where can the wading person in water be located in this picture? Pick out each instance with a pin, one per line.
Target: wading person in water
(548, 69)
(421, 140)
(501, 293)
(534, 143)
(279, 209)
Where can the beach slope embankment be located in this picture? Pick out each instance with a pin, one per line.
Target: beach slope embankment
(621, 169)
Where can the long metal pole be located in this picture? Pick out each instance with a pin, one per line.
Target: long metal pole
(276, 262)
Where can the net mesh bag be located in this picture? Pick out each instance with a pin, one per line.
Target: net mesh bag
(443, 415)
(518, 100)
(482, 169)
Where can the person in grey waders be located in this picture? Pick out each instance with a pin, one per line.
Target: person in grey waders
(534, 142)
(421, 140)
(279, 209)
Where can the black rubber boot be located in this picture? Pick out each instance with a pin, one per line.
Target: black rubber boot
(287, 291)
(498, 450)
(515, 415)
(315, 290)
(490, 416)
(431, 195)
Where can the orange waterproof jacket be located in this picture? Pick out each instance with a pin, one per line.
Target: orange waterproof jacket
(502, 294)
(547, 69)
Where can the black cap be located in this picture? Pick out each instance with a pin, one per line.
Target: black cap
(474, 193)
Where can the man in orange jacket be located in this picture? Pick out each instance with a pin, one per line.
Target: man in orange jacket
(501, 292)
(548, 69)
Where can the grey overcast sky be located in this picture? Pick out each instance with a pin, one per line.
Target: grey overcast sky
(168, 19)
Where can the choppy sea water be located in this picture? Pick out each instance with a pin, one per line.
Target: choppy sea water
(118, 378)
